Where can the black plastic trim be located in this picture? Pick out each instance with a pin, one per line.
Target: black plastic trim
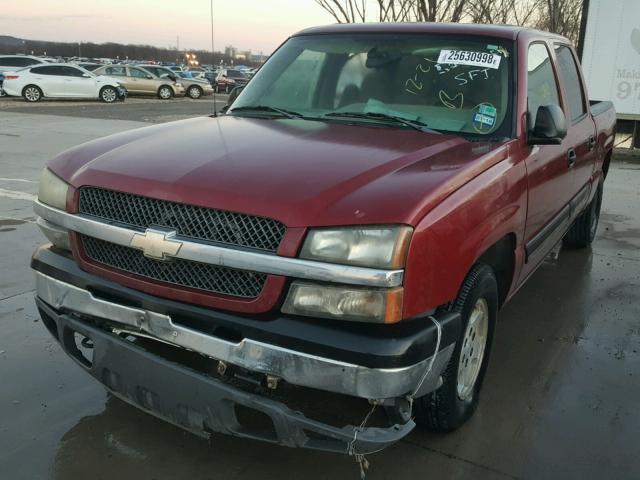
(203, 404)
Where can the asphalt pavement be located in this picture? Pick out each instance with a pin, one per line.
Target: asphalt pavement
(560, 399)
(140, 109)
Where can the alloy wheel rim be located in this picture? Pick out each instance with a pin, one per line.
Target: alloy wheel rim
(32, 94)
(109, 95)
(195, 93)
(164, 93)
(474, 343)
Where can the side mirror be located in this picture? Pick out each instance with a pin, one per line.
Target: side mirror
(232, 98)
(149, 77)
(86, 75)
(550, 126)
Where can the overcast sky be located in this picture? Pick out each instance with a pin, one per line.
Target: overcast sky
(259, 25)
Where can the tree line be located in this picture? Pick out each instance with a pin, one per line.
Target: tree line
(558, 16)
(110, 50)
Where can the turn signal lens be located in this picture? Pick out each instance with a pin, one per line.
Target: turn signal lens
(345, 303)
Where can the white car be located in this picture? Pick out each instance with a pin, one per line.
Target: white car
(61, 80)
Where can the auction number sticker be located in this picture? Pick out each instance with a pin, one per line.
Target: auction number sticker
(465, 57)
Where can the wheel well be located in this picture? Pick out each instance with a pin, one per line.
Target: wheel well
(605, 165)
(501, 257)
(30, 85)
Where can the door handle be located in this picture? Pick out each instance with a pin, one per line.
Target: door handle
(591, 142)
(571, 157)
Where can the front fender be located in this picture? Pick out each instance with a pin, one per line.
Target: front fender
(451, 237)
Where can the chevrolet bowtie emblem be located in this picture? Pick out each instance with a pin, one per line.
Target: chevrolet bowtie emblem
(157, 244)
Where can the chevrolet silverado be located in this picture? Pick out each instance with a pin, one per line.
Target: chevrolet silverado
(342, 237)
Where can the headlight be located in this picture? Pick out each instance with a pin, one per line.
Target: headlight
(344, 303)
(376, 247)
(52, 190)
(178, 84)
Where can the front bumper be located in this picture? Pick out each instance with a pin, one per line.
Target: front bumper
(200, 403)
(122, 93)
(301, 352)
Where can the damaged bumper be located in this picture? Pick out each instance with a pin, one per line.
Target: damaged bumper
(202, 403)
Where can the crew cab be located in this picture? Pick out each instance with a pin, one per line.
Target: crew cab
(340, 240)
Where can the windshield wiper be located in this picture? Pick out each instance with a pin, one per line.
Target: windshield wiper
(266, 108)
(415, 124)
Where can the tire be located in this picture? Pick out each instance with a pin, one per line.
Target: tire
(194, 92)
(450, 406)
(584, 228)
(108, 94)
(32, 93)
(165, 92)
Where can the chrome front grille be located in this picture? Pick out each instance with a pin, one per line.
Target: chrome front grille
(184, 273)
(187, 220)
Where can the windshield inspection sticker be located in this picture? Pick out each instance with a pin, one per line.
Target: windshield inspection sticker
(484, 117)
(474, 59)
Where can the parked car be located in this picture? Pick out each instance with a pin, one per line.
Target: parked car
(139, 81)
(228, 79)
(11, 63)
(193, 87)
(60, 80)
(347, 232)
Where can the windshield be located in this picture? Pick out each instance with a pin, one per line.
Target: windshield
(450, 84)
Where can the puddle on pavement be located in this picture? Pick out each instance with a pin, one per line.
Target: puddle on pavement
(11, 221)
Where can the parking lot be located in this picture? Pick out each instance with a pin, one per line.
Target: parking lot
(560, 400)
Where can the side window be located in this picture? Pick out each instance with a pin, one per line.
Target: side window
(20, 62)
(48, 70)
(117, 71)
(542, 88)
(297, 84)
(71, 72)
(571, 80)
(134, 72)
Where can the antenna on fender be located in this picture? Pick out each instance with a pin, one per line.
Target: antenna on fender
(213, 65)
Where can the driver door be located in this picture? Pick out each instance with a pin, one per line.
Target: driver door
(140, 78)
(77, 85)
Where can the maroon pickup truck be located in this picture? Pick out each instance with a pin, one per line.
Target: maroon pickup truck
(340, 240)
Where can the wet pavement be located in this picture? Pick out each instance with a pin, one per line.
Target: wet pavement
(143, 109)
(560, 399)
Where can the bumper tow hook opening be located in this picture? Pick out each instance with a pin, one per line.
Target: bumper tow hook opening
(272, 382)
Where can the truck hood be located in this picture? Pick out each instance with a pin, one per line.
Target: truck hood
(302, 173)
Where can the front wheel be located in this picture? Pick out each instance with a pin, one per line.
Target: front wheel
(165, 92)
(194, 92)
(447, 408)
(108, 94)
(583, 231)
(32, 94)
